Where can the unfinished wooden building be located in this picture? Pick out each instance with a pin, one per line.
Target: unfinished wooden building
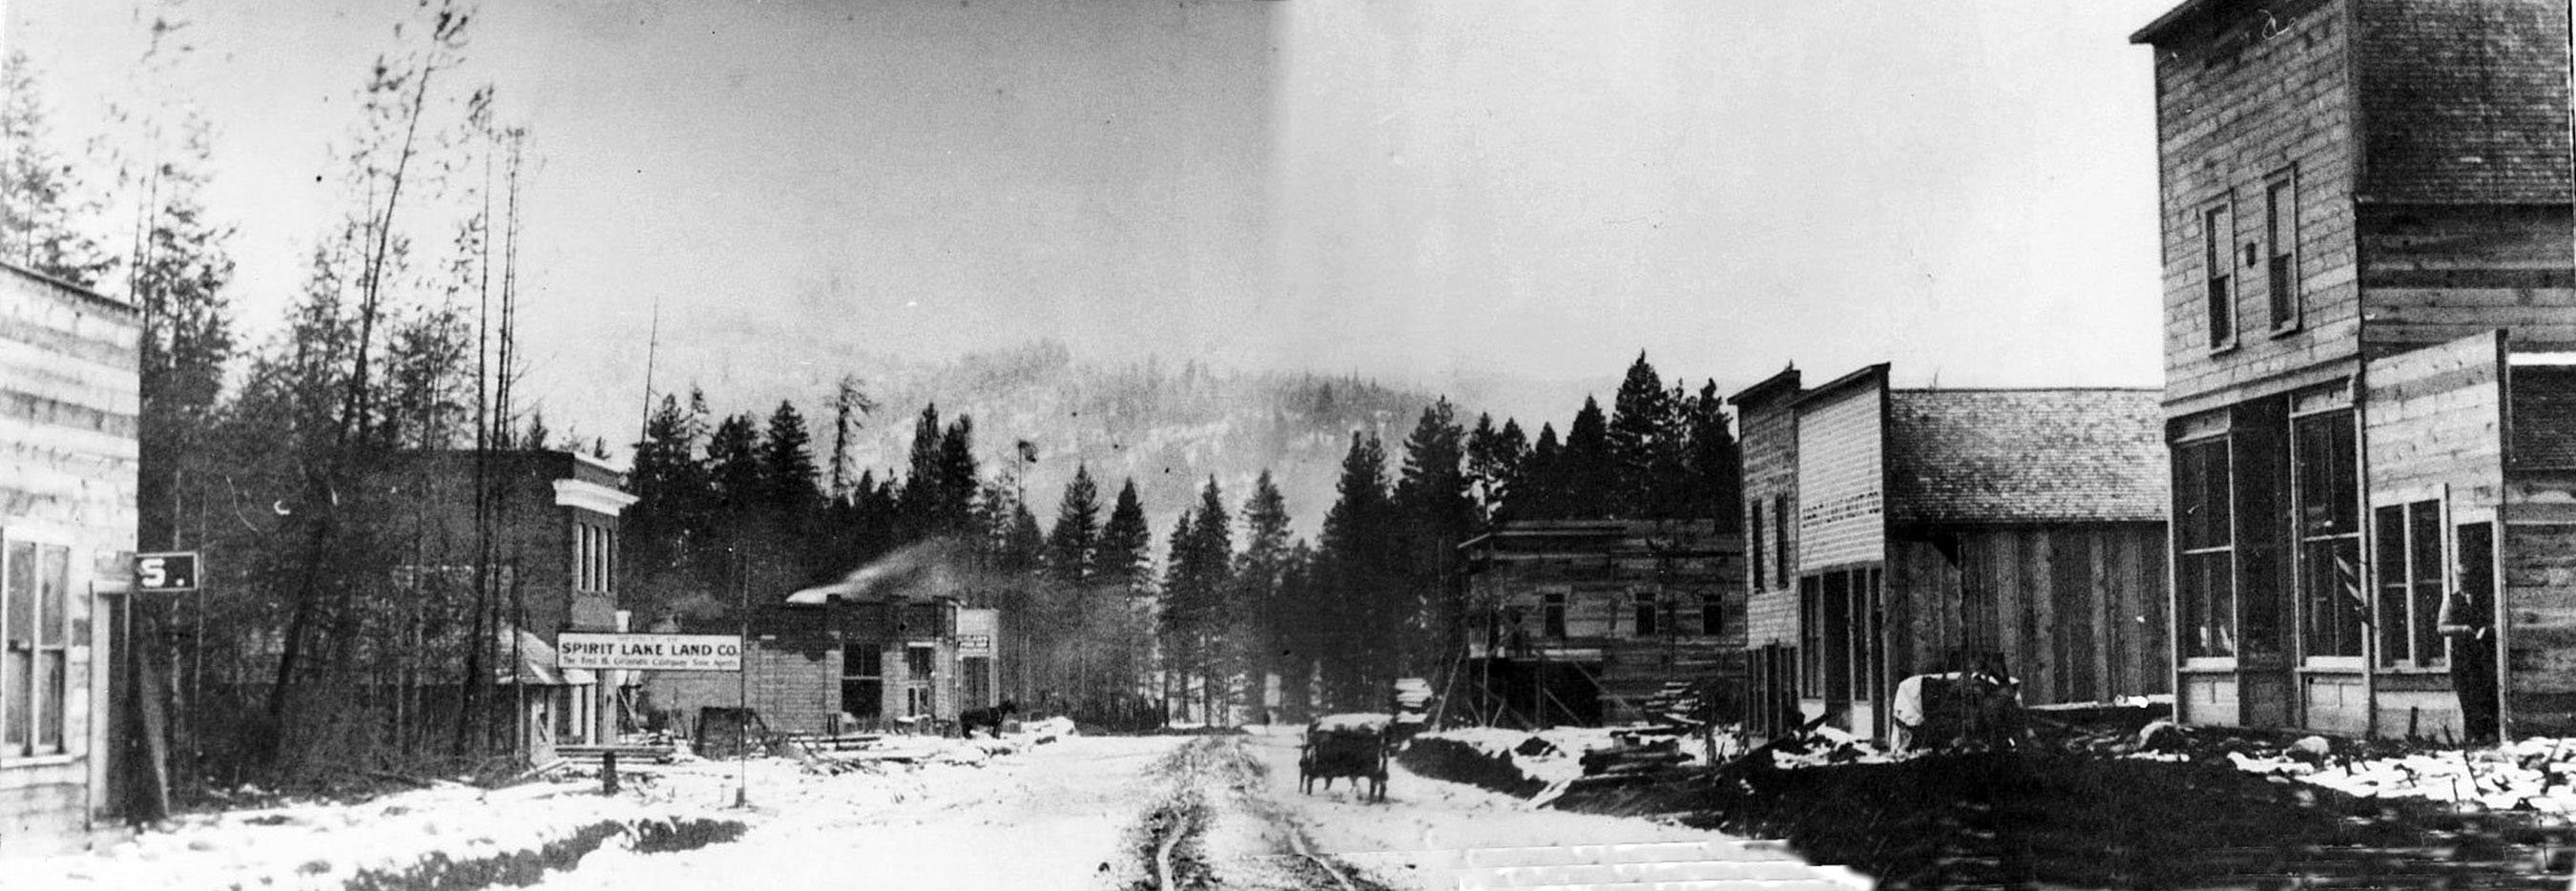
(1895, 532)
(2370, 299)
(1583, 621)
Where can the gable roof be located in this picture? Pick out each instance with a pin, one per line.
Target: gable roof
(2023, 456)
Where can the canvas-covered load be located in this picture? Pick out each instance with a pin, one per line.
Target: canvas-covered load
(1364, 722)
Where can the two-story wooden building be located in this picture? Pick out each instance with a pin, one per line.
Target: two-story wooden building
(1581, 621)
(70, 395)
(1893, 532)
(2368, 255)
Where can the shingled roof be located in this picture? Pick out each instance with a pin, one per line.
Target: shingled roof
(2464, 101)
(2025, 456)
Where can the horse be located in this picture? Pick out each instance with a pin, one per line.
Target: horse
(990, 719)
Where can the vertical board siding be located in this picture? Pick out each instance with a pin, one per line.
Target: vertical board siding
(2063, 605)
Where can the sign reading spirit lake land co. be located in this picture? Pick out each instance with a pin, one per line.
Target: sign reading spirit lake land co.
(667, 652)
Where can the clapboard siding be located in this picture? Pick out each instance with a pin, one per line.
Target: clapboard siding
(2433, 274)
(2434, 418)
(1769, 445)
(1842, 478)
(2077, 610)
(2259, 96)
(69, 394)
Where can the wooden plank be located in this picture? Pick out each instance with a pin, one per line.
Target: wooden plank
(2101, 603)
(2002, 577)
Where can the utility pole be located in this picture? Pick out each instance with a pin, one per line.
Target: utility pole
(742, 687)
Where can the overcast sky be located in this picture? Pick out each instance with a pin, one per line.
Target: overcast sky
(1435, 192)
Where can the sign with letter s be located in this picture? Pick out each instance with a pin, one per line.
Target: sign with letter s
(175, 571)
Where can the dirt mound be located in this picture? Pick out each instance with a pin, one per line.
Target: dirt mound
(1458, 762)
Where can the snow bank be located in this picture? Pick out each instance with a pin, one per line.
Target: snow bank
(325, 845)
(2533, 774)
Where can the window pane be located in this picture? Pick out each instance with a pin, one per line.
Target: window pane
(2427, 534)
(49, 700)
(2329, 474)
(76, 603)
(2217, 261)
(2209, 605)
(53, 575)
(1780, 539)
(2333, 595)
(2281, 231)
(20, 591)
(1712, 614)
(2393, 598)
(20, 670)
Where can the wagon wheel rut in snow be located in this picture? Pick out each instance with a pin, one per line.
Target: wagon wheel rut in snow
(1213, 826)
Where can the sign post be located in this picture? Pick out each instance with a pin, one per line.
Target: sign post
(666, 652)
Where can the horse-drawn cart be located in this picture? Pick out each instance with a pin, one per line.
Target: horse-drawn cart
(1355, 746)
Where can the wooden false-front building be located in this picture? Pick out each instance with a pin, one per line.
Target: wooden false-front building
(67, 533)
(1894, 532)
(2369, 308)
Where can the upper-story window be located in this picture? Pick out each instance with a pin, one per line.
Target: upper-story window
(1645, 605)
(1753, 526)
(1780, 541)
(2218, 261)
(594, 557)
(1552, 614)
(2281, 247)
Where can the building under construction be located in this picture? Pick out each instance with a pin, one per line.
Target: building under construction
(1585, 621)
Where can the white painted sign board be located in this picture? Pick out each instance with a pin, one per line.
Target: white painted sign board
(660, 652)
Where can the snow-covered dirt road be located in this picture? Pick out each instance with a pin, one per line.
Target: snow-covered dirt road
(1194, 813)
(1051, 816)
(1438, 836)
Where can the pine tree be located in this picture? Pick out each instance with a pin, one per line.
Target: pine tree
(1535, 492)
(734, 467)
(1714, 460)
(1075, 541)
(1260, 577)
(1643, 438)
(1356, 572)
(41, 201)
(1587, 473)
(920, 501)
(787, 466)
(187, 342)
(1437, 513)
(1125, 554)
(958, 475)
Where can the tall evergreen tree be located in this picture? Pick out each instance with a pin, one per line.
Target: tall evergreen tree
(1644, 442)
(1261, 576)
(187, 342)
(1437, 513)
(1534, 494)
(787, 465)
(1075, 541)
(1714, 460)
(1358, 649)
(41, 198)
(1587, 473)
(1125, 553)
(734, 469)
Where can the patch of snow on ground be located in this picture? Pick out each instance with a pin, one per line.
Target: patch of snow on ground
(322, 845)
(2534, 774)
